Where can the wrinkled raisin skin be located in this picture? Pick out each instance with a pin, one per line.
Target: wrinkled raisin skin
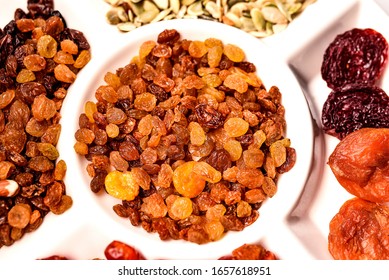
(355, 56)
(208, 117)
(354, 107)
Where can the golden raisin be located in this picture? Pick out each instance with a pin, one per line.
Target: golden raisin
(47, 46)
(121, 185)
(234, 53)
(186, 181)
(236, 127)
(236, 82)
(181, 208)
(69, 46)
(64, 74)
(25, 76)
(234, 148)
(83, 58)
(34, 62)
(214, 56)
(197, 134)
(197, 49)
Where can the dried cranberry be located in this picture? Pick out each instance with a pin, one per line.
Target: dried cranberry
(356, 56)
(353, 107)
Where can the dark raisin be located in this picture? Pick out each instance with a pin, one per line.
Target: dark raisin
(168, 36)
(355, 56)
(208, 117)
(353, 107)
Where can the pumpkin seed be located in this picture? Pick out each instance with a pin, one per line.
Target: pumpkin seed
(283, 10)
(195, 9)
(181, 13)
(137, 8)
(175, 5)
(162, 4)
(113, 2)
(277, 28)
(234, 19)
(188, 2)
(258, 19)
(123, 16)
(295, 8)
(261, 18)
(113, 16)
(213, 9)
(162, 15)
(126, 26)
(272, 14)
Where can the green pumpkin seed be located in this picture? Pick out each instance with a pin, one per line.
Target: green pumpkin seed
(258, 19)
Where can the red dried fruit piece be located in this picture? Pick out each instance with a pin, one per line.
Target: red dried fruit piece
(360, 162)
(354, 107)
(356, 56)
(55, 258)
(117, 250)
(252, 252)
(360, 231)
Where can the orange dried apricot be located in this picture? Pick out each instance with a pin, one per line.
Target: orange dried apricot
(360, 163)
(360, 231)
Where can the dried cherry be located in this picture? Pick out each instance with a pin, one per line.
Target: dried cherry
(355, 56)
(117, 250)
(360, 162)
(354, 107)
(360, 231)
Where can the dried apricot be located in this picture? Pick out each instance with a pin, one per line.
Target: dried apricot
(360, 231)
(360, 163)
